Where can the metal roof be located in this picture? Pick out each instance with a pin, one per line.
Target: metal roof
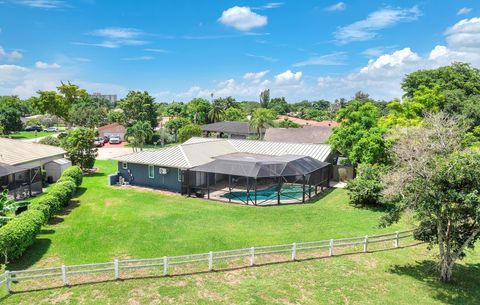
(197, 151)
(15, 152)
(6, 169)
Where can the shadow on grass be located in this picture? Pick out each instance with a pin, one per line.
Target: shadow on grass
(463, 289)
(80, 191)
(32, 255)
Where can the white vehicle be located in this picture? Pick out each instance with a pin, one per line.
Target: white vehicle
(115, 140)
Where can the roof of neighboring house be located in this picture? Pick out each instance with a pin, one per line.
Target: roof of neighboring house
(114, 127)
(198, 151)
(309, 122)
(232, 127)
(15, 152)
(6, 169)
(307, 134)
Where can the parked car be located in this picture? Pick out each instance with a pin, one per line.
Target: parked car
(115, 140)
(98, 142)
(106, 139)
(33, 128)
(51, 129)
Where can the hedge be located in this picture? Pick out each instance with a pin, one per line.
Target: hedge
(20, 232)
(76, 173)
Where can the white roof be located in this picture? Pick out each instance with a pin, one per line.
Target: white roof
(197, 151)
(16, 152)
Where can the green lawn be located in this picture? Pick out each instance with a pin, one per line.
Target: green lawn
(108, 222)
(29, 135)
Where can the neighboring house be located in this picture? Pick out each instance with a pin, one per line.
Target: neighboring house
(230, 129)
(113, 129)
(308, 122)
(201, 163)
(22, 163)
(307, 134)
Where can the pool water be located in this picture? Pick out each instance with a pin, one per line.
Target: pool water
(287, 192)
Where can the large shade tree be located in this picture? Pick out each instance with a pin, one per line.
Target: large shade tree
(138, 134)
(80, 147)
(437, 179)
(139, 106)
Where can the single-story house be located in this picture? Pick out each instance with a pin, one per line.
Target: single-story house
(21, 163)
(307, 134)
(114, 129)
(230, 129)
(248, 171)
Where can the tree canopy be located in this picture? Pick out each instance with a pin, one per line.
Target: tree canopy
(139, 106)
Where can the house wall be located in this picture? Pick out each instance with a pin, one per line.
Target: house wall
(140, 177)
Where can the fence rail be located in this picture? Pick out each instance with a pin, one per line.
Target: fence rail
(114, 270)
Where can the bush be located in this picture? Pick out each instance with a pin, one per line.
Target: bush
(366, 188)
(51, 201)
(74, 172)
(45, 209)
(63, 190)
(19, 233)
(53, 141)
(188, 131)
(66, 178)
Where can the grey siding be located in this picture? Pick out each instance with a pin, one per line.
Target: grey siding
(140, 177)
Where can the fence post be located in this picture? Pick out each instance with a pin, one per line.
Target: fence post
(210, 261)
(330, 252)
(294, 251)
(252, 256)
(115, 267)
(64, 275)
(365, 244)
(165, 266)
(397, 239)
(7, 281)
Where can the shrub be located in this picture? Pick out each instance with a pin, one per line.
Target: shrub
(63, 190)
(188, 131)
(51, 201)
(53, 141)
(19, 233)
(45, 209)
(366, 188)
(67, 178)
(75, 172)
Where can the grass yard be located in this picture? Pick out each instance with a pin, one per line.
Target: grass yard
(108, 222)
(22, 135)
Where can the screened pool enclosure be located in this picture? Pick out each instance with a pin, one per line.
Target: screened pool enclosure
(259, 179)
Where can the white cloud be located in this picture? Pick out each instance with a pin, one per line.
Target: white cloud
(464, 34)
(10, 56)
(389, 62)
(270, 5)
(266, 58)
(44, 65)
(116, 37)
(340, 6)
(255, 76)
(156, 50)
(333, 59)
(377, 51)
(242, 18)
(117, 33)
(139, 58)
(464, 11)
(288, 78)
(368, 28)
(48, 4)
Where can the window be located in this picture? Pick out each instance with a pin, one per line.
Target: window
(124, 165)
(151, 171)
(180, 175)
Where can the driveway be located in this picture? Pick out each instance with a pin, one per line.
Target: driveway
(105, 153)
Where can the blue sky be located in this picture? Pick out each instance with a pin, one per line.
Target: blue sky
(178, 50)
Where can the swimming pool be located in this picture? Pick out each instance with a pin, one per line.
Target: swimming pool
(288, 192)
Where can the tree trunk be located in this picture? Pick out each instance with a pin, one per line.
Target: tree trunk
(446, 266)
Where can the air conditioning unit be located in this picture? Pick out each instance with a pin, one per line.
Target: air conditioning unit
(162, 171)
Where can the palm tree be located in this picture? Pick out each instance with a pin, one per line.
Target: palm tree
(216, 112)
(261, 119)
(139, 133)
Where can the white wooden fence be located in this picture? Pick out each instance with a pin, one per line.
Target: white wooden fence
(120, 268)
